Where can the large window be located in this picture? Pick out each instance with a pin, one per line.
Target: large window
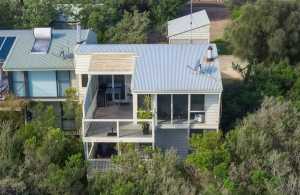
(174, 109)
(164, 108)
(18, 82)
(63, 82)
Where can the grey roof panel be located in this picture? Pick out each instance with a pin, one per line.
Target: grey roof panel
(21, 58)
(164, 68)
(183, 24)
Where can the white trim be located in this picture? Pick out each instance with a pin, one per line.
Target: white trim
(184, 93)
(116, 120)
(118, 140)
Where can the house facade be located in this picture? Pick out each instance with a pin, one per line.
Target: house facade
(154, 95)
(182, 83)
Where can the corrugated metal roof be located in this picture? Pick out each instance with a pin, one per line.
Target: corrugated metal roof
(163, 68)
(183, 24)
(21, 58)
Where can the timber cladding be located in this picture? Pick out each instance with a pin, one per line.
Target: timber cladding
(112, 62)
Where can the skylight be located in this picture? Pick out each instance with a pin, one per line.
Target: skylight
(42, 40)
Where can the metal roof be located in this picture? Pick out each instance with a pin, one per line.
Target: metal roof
(183, 24)
(164, 68)
(20, 57)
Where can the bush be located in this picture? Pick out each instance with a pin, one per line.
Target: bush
(224, 47)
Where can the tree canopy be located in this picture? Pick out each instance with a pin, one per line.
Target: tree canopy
(267, 31)
(160, 174)
(38, 158)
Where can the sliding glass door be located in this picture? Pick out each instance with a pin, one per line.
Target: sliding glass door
(164, 108)
(180, 108)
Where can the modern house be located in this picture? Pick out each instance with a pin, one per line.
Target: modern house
(192, 28)
(182, 81)
(145, 94)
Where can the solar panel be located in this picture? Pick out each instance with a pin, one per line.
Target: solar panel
(5, 45)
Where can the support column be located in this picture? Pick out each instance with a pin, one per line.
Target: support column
(86, 150)
(189, 115)
(135, 107)
(172, 109)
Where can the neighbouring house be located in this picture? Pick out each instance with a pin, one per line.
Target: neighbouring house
(154, 95)
(192, 28)
(39, 64)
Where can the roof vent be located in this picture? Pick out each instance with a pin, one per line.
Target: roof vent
(210, 54)
(42, 40)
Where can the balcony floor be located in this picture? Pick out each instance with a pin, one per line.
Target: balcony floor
(115, 111)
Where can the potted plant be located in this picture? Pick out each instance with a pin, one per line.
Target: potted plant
(145, 113)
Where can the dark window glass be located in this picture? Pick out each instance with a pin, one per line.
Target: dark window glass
(164, 108)
(197, 102)
(180, 108)
(119, 87)
(84, 80)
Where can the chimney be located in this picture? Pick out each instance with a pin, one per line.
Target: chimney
(78, 33)
(210, 54)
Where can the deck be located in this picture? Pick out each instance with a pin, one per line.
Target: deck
(115, 111)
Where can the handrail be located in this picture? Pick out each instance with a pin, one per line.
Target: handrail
(116, 120)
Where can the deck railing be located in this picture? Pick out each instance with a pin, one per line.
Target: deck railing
(118, 129)
(100, 165)
(89, 102)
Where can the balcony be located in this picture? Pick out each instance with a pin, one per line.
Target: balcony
(119, 130)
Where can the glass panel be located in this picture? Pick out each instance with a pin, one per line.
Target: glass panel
(105, 89)
(145, 105)
(19, 88)
(119, 87)
(180, 108)
(63, 82)
(197, 102)
(18, 84)
(164, 108)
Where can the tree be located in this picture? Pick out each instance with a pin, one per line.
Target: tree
(211, 159)
(265, 149)
(131, 29)
(267, 31)
(135, 175)
(9, 12)
(38, 158)
(231, 4)
(37, 13)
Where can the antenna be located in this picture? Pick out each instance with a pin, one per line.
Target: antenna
(191, 16)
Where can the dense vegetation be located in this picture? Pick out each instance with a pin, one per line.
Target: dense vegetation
(257, 153)
(38, 158)
(129, 21)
